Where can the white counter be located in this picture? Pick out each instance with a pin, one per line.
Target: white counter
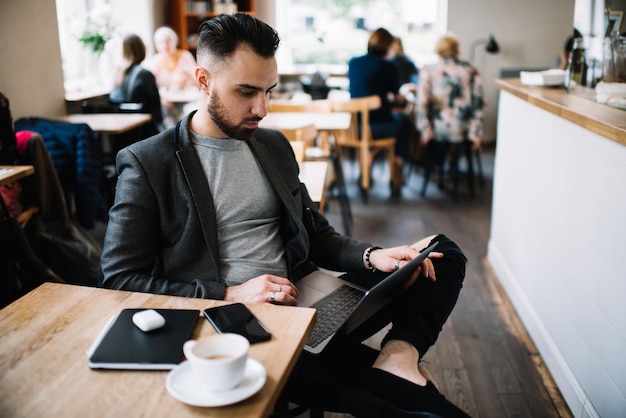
(558, 237)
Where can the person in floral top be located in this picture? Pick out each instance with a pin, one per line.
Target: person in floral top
(450, 101)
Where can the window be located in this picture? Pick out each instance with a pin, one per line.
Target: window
(84, 69)
(322, 35)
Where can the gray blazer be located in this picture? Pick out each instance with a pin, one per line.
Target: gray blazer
(161, 236)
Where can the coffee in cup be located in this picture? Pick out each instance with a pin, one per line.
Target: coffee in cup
(218, 361)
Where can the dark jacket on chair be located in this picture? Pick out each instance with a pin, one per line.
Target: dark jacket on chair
(77, 156)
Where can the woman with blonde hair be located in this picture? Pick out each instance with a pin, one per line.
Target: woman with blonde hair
(450, 106)
(173, 68)
(450, 97)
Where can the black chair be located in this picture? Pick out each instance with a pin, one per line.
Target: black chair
(438, 152)
(362, 404)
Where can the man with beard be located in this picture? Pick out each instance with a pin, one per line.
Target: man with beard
(213, 208)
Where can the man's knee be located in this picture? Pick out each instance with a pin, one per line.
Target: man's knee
(452, 254)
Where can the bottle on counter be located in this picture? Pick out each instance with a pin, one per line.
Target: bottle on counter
(575, 70)
(614, 57)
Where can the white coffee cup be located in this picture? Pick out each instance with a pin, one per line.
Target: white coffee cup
(219, 361)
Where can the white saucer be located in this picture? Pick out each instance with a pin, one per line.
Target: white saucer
(182, 385)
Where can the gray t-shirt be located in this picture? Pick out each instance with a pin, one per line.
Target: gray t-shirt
(247, 208)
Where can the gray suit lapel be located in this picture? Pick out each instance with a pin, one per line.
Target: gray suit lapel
(200, 193)
(273, 173)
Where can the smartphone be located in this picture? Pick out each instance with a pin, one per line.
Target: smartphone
(238, 319)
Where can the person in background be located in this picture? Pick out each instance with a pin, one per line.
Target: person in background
(213, 208)
(450, 101)
(408, 73)
(567, 49)
(173, 68)
(373, 74)
(135, 84)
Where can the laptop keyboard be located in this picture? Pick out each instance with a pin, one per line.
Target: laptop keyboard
(332, 311)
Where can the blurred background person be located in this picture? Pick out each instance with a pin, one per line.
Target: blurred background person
(450, 102)
(568, 47)
(374, 74)
(173, 68)
(135, 84)
(174, 71)
(408, 73)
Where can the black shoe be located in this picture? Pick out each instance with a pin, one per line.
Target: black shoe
(377, 393)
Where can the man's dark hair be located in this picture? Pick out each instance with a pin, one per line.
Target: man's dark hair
(222, 35)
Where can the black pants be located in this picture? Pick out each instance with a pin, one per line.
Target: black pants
(417, 317)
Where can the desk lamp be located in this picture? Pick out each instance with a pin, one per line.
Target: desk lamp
(492, 46)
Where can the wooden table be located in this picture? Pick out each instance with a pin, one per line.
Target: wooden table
(314, 175)
(83, 95)
(327, 123)
(45, 335)
(109, 123)
(180, 96)
(323, 121)
(11, 173)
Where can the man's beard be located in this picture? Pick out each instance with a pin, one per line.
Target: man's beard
(217, 112)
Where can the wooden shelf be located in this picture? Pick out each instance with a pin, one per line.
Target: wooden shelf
(183, 16)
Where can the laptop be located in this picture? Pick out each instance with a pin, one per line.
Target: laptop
(343, 306)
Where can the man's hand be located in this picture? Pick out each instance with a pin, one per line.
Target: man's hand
(389, 258)
(264, 289)
(475, 140)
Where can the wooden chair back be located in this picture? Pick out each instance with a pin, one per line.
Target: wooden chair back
(299, 150)
(301, 139)
(360, 138)
(319, 140)
(312, 106)
(307, 134)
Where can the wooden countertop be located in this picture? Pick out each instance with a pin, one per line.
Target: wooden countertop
(579, 109)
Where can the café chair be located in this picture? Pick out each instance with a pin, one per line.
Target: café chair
(291, 106)
(310, 106)
(298, 149)
(305, 134)
(453, 153)
(359, 138)
(324, 150)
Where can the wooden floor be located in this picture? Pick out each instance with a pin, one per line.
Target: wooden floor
(483, 361)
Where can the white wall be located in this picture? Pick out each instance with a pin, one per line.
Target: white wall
(557, 246)
(30, 68)
(531, 34)
(266, 11)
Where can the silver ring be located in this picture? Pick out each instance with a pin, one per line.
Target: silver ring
(273, 297)
(396, 265)
(280, 288)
